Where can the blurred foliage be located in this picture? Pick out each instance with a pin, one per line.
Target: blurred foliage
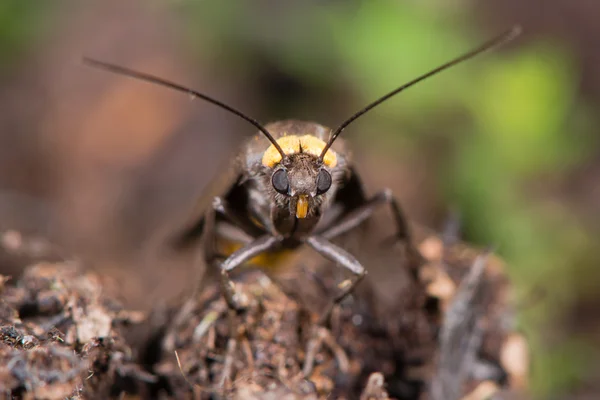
(523, 117)
(520, 125)
(20, 24)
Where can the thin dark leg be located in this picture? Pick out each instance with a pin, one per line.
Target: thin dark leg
(226, 231)
(346, 260)
(232, 233)
(364, 212)
(235, 260)
(238, 258)
(252, 248)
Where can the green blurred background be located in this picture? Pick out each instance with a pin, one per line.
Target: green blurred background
(508, 140)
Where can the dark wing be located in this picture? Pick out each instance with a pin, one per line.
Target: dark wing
(192, 225)
(352, 194)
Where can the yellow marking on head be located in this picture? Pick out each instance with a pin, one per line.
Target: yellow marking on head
(291, 145)
(302, 206)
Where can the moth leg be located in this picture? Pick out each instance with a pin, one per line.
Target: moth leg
(208, 248)
(237, 331)
(364, 212)
(210, 257)
(228, 231)
(238, 258)
(346, 260)
(340, 256)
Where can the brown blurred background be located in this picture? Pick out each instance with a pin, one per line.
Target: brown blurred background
(102, 165)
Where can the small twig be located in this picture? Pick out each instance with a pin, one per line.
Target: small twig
(247, 350)
(205, 324)
(323, 335)
(313, 347)
(194, 386)
(228, 364)
(337, 350)
(181, 370)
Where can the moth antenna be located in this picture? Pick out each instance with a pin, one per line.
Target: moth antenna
(172, 85)
(503, 38)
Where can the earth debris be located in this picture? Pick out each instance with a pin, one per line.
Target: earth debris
(65, 334)
(62, 335)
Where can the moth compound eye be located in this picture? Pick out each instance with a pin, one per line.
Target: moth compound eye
(323, 181)
(280, 181)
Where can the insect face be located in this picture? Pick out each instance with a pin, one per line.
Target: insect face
(294, 187)
(302, 185)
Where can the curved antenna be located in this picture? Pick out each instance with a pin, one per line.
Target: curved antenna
(171, 85)
(497, 41)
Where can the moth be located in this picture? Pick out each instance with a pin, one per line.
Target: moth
(292, 184)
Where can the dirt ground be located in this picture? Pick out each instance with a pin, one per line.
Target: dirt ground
(66, 334)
